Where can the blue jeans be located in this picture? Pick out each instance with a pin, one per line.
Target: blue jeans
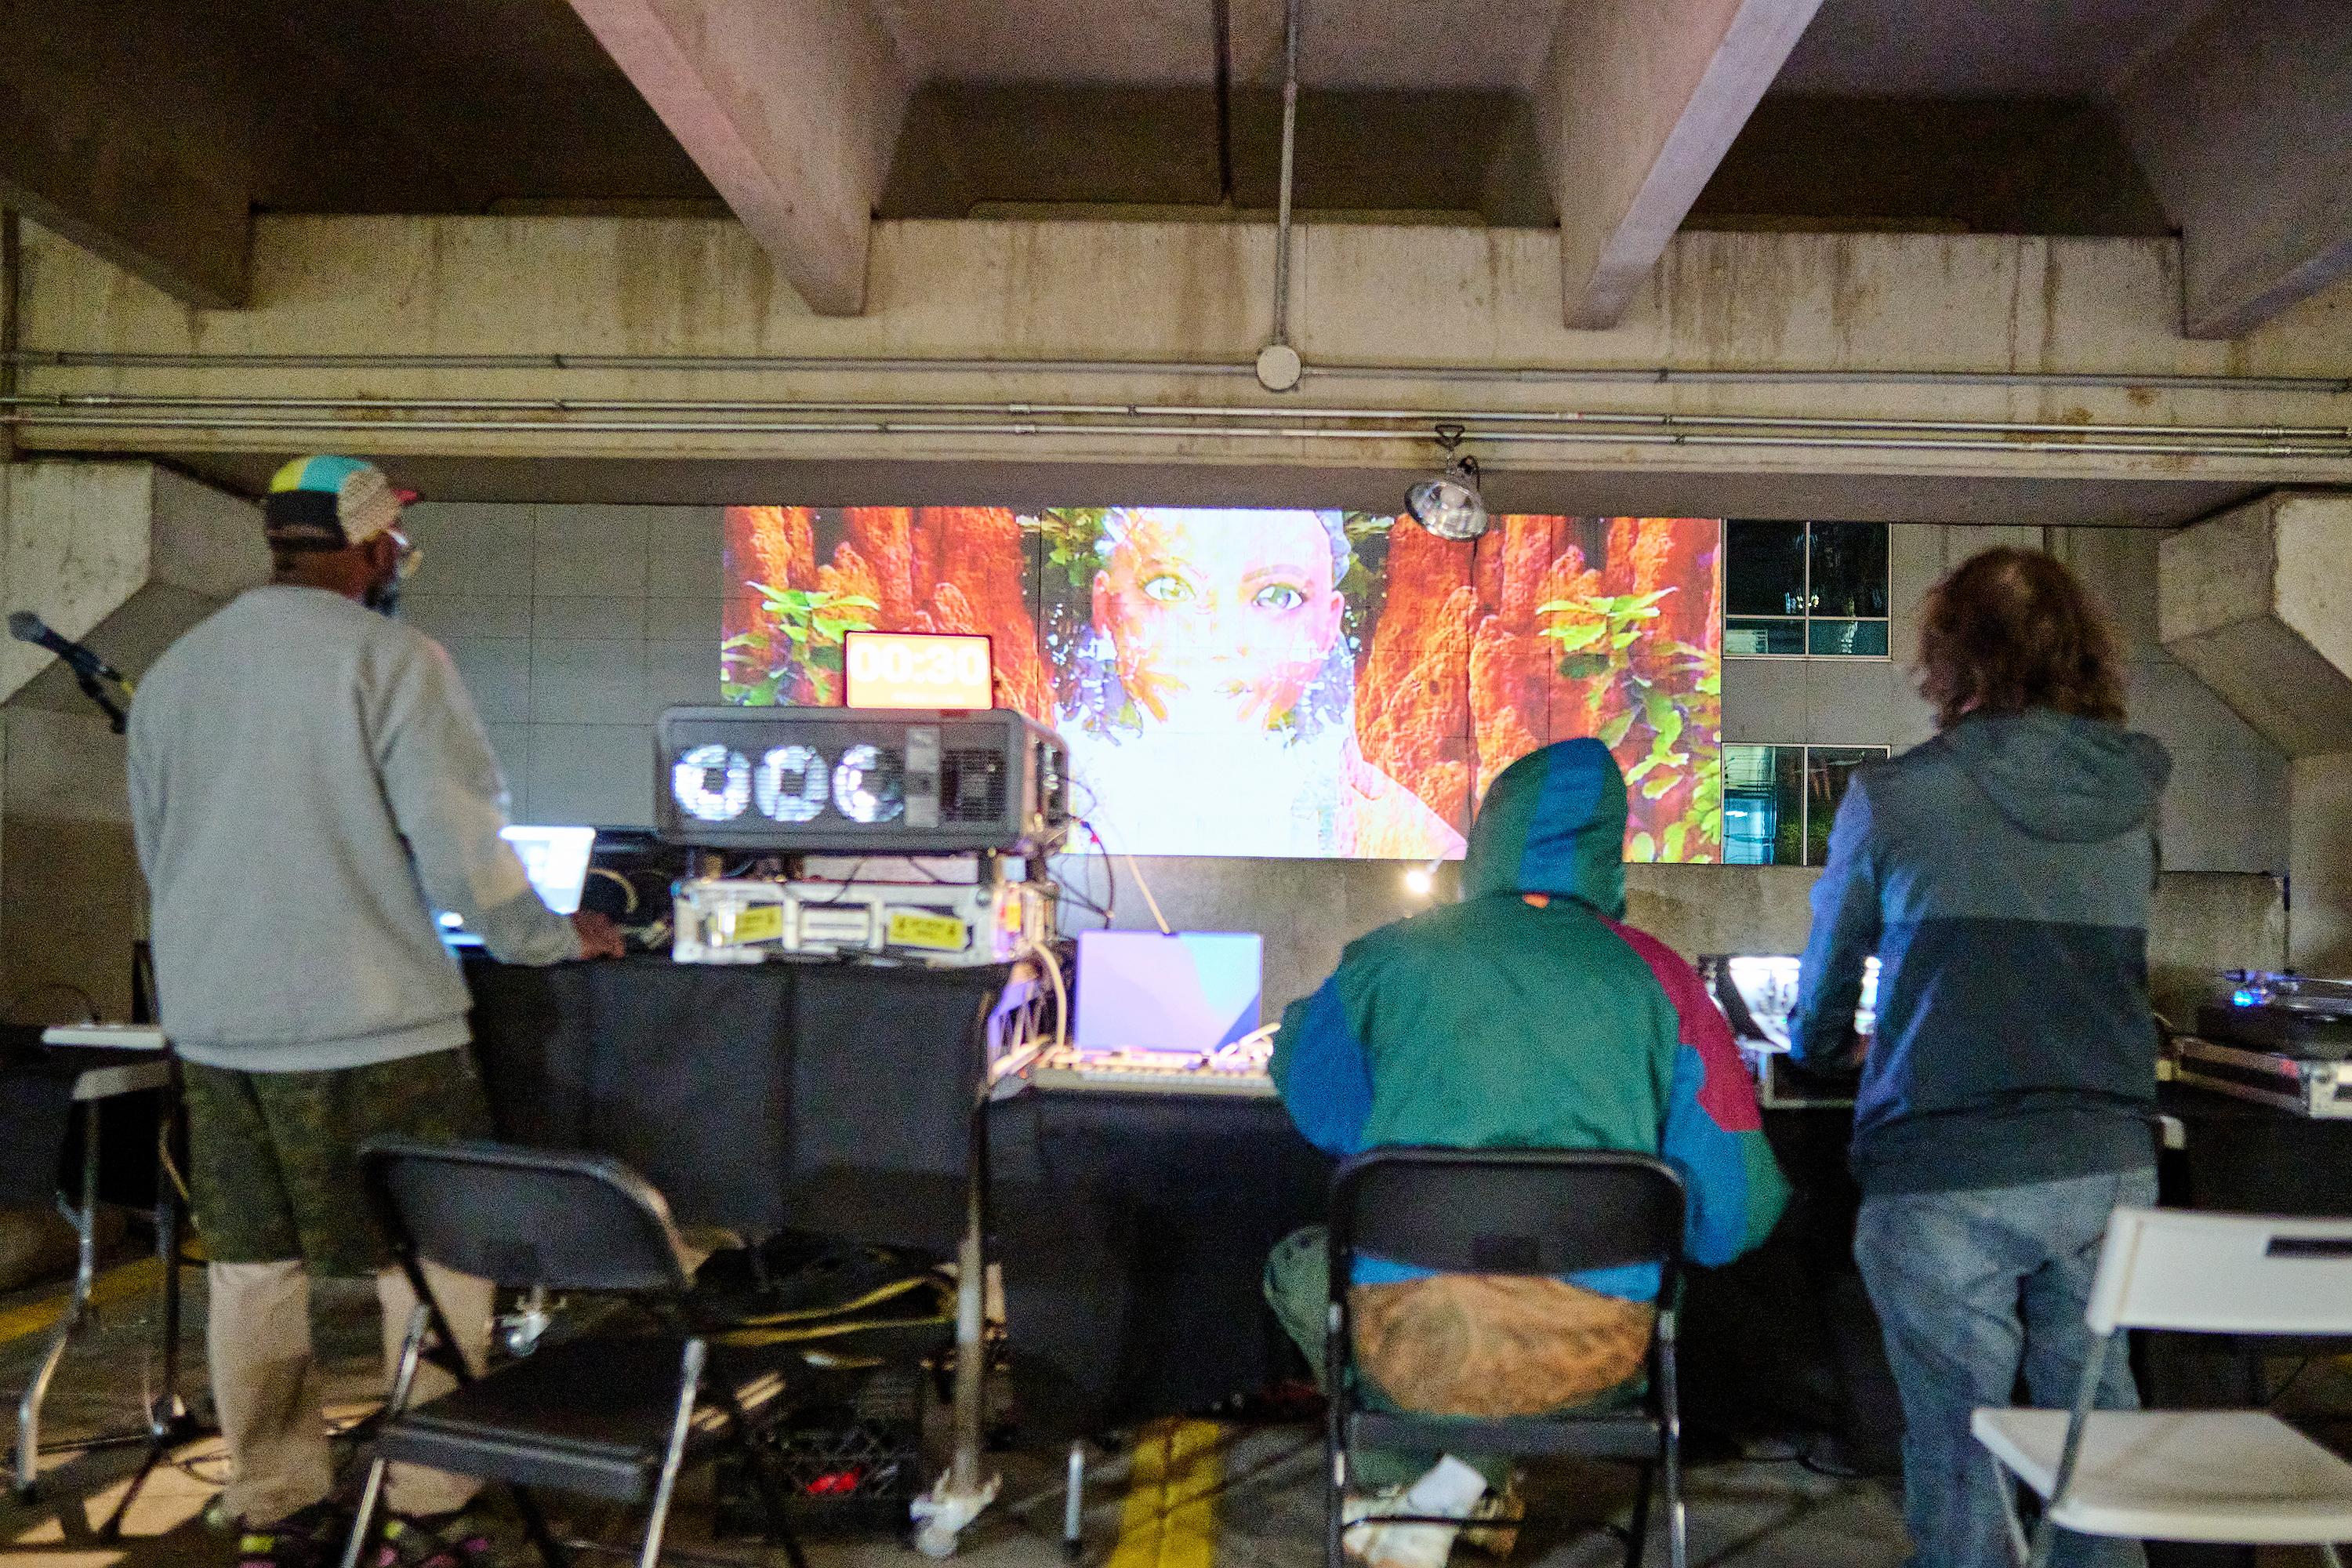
(1972, 1287)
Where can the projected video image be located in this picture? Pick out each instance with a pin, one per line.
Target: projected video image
(1266, 682)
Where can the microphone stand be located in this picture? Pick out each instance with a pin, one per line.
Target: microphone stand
(95, 690)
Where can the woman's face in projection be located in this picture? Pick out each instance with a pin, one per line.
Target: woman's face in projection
(1218, 616)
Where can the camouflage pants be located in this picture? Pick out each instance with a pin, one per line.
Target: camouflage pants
(1463, 1344)
(274, 1157)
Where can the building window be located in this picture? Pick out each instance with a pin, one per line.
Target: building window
(1779, 801)
(1800, 588)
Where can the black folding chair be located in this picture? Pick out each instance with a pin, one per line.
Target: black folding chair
(1509, 1211)
(607, 1416)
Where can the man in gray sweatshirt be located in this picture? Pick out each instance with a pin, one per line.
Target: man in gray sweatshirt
(308, 783)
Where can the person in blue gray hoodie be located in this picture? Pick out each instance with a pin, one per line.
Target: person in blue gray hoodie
(2002, 874)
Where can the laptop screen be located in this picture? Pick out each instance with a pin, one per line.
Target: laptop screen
(556, 861)
(1193, 991)
(1757, 992)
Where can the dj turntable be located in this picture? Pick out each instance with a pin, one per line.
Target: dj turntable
(2284, 1040)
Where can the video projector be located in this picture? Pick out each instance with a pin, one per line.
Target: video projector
(850, 780)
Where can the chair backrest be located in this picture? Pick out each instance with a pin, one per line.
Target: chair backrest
(527, 1216)
(1509, 1211)
(2223, 1273)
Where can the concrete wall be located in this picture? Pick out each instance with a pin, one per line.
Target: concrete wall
(1879, 306)
(125, 556)
(1309, 909)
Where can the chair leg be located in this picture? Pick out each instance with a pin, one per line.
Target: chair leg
(2019, 1548)
(762, 1470)
(1073, 1502)
(535, 1530)
(689, 1385)
(1671, 1424)
(1335, 1418)
(402, 1379)
(2328, 1550)
(1637, 1529)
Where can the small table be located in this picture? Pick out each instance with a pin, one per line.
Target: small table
(102, 1062)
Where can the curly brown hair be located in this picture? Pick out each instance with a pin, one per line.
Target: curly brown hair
(2011, 629)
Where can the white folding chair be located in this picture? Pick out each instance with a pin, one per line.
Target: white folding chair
(2241, 1477)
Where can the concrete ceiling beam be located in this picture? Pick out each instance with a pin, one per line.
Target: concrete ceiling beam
(1638, 102)
(136, 153)
(789, 108)
(2244, 124)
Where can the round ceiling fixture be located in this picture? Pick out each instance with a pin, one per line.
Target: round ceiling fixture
(1278, 367)
(1449, 505)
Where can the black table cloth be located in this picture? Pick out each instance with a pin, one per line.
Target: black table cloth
(1132, 1229)
(831, 1097)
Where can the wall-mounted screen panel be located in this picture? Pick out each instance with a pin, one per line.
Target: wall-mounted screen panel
(1275, 683)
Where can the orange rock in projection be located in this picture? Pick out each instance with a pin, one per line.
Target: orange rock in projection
(775, 545)
(849, 574)
(780, 543)
(1511, 662)
(981, 551)
(1500, 665)
(1412, 691)
(883, 537)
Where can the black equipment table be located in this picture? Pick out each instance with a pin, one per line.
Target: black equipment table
(1132, 1228)
(831, 1097)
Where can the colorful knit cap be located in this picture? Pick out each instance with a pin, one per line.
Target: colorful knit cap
(330, 503)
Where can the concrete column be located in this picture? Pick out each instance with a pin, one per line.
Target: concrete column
(2258, 603)
(139, 150)
(2319, 794)
(125, 556)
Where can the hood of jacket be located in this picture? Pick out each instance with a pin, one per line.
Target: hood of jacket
(1553, 822)
(2068, 780)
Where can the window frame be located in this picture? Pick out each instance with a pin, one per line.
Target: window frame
(1804, 623)
(1881, 749)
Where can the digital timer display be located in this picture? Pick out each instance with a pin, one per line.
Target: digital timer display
(916, 670)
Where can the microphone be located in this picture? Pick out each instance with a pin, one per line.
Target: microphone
(27, 626)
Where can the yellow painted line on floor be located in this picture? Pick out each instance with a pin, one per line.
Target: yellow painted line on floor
(1169, 1518)
(38, 1317)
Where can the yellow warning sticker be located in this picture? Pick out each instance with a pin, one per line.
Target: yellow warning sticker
(929, 931)
(760, 923)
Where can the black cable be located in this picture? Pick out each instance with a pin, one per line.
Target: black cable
(1110, 871)
(2291, 1379)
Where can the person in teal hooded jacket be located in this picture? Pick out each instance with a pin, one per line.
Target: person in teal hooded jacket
(1526, 1015)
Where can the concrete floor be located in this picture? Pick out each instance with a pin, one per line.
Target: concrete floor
(1234, 1498)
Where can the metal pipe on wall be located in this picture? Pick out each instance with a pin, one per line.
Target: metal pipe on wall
(397, 407)
(1655, 437)
(1289, 150)
(1659, 375)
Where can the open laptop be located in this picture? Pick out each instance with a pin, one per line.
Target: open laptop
(1193, 992)
(1758, 990)
(556, 861)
